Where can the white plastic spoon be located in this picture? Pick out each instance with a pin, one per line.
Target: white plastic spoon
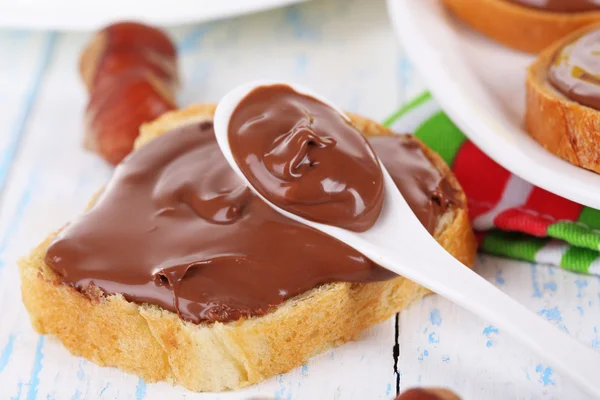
(401, 244)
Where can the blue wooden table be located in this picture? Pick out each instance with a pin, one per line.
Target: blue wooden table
(345, 49)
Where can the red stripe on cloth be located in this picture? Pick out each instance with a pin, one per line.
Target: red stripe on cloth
(521, 220)
(481, 178)
(548, 204)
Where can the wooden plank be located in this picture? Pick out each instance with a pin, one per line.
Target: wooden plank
(40, 196)
(345, 50)
(441, 344)
(23, 67)
(21, 79)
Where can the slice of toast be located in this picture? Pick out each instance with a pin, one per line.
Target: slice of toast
(563, 126)
(517, 26)
(158, 346)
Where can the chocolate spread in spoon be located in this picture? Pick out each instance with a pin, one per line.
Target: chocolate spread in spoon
(306, 158)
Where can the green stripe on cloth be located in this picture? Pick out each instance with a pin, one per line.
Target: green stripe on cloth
(513, 244)
(442, 136)
(417, 101)
(578, 259)
(590, 217)
(575, 234)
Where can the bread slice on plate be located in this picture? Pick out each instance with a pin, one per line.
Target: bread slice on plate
(517, 26)
(563, 126)
(159, 346)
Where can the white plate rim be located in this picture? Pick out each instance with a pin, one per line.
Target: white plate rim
(41, 16)
(527, 159)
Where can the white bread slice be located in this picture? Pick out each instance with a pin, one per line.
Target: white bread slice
(158, 346)
(517, 26)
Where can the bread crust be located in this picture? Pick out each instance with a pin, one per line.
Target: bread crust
(519, 27)
(158, 346)
(563, 126)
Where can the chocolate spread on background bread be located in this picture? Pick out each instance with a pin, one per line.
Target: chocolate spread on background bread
(306, 158)
(562, 6)
(175, 227)
(575, 70)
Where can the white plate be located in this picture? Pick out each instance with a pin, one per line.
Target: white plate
(481, 85)
(92, 14)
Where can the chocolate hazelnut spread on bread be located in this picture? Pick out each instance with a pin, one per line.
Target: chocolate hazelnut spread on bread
(575, 70)
(175, 227)
(306, 158)
(561, 6)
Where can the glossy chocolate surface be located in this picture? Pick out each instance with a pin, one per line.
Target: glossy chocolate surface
(175, 227)
(575, 70)
(306, 158)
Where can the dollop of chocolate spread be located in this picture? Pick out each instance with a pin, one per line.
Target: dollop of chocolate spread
(562, 6)
(575, 70)
(175, 227)
(306, 158)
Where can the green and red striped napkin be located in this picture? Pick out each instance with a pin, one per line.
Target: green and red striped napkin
(511, 217)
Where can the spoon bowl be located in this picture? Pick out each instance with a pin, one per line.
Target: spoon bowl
(400, 243)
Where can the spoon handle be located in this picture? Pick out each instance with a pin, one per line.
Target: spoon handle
(438, 271)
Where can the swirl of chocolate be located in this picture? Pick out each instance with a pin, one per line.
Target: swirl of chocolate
(306, 158)
(177, 228)
(561, 6)
(575, 70)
